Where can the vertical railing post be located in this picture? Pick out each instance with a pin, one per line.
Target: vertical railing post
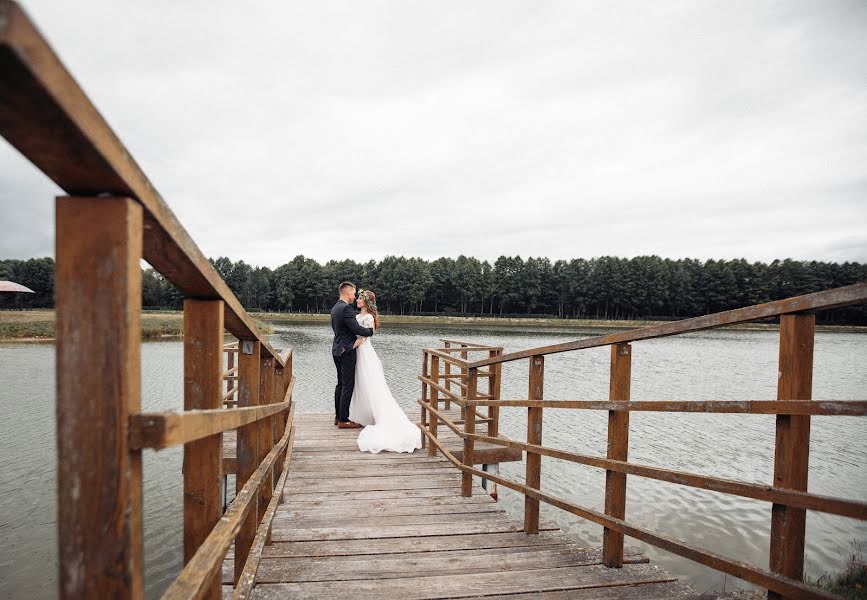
(265, 427)
(470, 428)
(618, 449)
(247, 446)
(536, 387)
(424, 396)
(792, 449)
(434, 401)
(99, 479)
(447, 371)
(465, 381)
(494, 393)
(203, 385)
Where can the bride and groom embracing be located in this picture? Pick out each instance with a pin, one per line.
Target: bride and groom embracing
(362, 397)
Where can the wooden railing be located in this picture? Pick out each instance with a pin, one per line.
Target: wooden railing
(793, 408)
(113, 218)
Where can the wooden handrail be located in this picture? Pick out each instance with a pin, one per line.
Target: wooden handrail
(843, 296)
(745, 571)
(166, 429)
(792, 408)
(827, 504)
(208, 559)
(48, 118)
(852, 408)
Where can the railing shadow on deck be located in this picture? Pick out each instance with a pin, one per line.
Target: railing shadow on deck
(793, 408)
(111, 220)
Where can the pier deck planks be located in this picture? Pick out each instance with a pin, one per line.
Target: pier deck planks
(357, 525)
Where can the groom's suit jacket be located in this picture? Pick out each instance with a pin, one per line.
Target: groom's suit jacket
(345, 328)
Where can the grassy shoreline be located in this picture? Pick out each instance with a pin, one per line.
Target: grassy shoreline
(39, 325)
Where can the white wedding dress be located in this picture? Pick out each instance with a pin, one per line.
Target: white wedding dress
(386, 425)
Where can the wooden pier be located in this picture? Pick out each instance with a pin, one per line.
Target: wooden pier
(359, 525)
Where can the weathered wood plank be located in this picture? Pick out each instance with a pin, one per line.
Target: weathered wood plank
(419, 544)
(393, 531)
(421, 564)
(468, 585)
(98, 300)
(361, 520)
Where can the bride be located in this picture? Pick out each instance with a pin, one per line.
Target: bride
(386, 425)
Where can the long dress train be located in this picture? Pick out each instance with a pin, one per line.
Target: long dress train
(386, 425)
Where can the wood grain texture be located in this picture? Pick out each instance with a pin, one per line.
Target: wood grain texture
(98, 303)
(533, 473)
(739, 569)
(618, 449)
(203, 377)
(792, 448)
(163, 430)
(469, 413)
(265, 429)
(851, 408)
(375, 530)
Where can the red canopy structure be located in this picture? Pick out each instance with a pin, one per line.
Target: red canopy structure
(11, 286)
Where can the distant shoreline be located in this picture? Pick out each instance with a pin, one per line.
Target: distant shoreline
(39, 325)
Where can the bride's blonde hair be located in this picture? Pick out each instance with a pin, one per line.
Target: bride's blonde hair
(370, 304)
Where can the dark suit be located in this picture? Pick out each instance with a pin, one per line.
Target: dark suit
(346, 329)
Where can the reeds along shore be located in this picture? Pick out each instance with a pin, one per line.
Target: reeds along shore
(39, 325)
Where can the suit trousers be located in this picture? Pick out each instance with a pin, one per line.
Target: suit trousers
(345, 364)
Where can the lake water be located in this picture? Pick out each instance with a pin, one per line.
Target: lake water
(719, 365)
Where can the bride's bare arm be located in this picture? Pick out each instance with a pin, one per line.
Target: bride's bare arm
(358, 341)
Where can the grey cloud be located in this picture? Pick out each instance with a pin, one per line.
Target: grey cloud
(560, 129)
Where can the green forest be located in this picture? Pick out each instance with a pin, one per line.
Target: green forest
(607, 287)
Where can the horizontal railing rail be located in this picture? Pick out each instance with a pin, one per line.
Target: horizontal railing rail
(792, 409)
(844, 296)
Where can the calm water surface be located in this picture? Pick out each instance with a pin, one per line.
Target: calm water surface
(721, 365)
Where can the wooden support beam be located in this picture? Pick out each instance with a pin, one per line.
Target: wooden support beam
(536, 385)
(247, 452)
(469, 427)
(618, 449)
(447, 366)
(792, 449)
(203, 371)
(98, 303)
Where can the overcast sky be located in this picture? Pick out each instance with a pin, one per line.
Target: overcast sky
(560, 129)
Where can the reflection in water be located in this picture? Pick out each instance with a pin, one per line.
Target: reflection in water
(723, 365)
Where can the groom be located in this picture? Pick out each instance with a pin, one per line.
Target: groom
(345, 328)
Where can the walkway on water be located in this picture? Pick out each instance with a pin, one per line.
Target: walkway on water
(356, 525)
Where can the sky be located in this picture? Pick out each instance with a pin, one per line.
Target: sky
(561, 129)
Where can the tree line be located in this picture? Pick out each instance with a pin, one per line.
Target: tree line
(607, 287)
